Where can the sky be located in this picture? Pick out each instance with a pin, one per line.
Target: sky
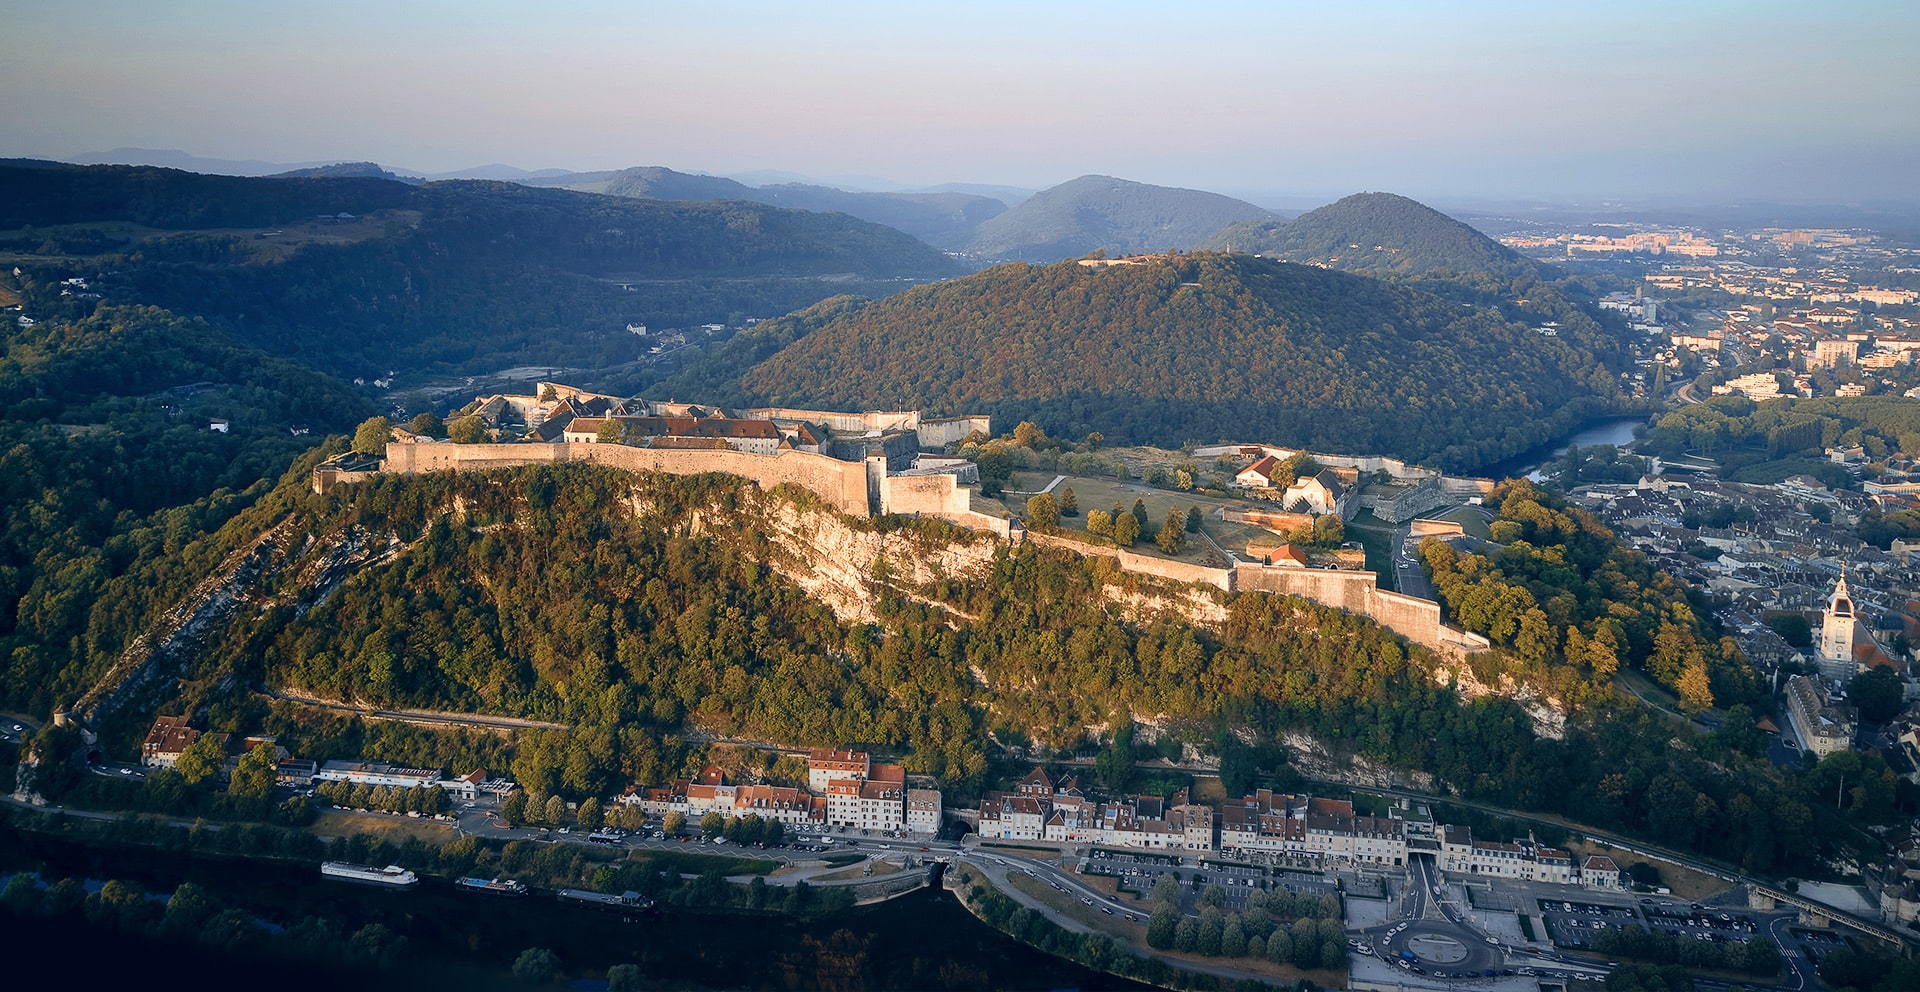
(1708, 101)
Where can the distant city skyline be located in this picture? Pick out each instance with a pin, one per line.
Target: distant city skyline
(1715, 101)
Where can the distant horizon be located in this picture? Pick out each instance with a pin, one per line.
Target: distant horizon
(1714, 102)
(1278, 200)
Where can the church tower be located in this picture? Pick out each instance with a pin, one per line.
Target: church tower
(1836, 635)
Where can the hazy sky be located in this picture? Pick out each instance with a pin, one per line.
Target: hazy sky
(1801, 100)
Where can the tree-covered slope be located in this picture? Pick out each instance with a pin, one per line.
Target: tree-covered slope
(465, 275)
(1374, 232)
(107, 464)
(1202, 348)
(637, 608)
(1103, 213)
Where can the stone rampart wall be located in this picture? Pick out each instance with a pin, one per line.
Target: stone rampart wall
(932, 494)
(872, 420)
(938, 432)
(1133, 561)
(1348, 590)
(1465, 488)
(842, 484)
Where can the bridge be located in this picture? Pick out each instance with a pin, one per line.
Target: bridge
(1820, 914)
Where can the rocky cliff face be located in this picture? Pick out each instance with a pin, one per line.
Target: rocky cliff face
(849, 567)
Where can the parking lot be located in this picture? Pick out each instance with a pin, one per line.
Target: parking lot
(1138, 873)
(1573, 924)
(1702, 923)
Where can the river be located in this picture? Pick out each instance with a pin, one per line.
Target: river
(1616, 431)
(924, 940)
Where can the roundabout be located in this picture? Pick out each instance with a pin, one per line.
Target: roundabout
(1435, 945)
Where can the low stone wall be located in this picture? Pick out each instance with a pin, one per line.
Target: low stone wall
(1274, 520)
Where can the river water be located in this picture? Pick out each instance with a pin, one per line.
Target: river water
(924, 940)
(1616, 431)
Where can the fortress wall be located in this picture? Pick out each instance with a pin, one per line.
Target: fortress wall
(325, 478)
(1465, 488)
(931, 494)
(939, 432)
(1437, 528)
(1418, 620)
(1364, 463)
(842, 484)
(872, 420)
(1348, 590)
(1176, 571)
(414, 459)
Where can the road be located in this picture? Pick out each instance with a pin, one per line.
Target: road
(425, 718)
(1434, 938)
(1408, 577)
(1719, 871)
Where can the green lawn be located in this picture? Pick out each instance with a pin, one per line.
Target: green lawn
(1470, 519)
(1104, 494)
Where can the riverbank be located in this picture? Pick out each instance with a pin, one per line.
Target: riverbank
(1615, 430)
(918, 940)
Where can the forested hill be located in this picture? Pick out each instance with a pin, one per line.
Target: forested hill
(358, 275)
(1377, 233)
(1103, 213)
(41, 194)
(1204, 348)
(943, 219)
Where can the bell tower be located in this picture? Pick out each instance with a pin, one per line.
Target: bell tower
(1836, 634)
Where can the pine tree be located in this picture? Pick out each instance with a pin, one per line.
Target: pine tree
(1069, 506)
(1193, 520)
(1173, 533)
(1126, 530)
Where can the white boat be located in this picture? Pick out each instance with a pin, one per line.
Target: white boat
(392, 875)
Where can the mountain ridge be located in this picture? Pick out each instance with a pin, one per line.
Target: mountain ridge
(1095, 212)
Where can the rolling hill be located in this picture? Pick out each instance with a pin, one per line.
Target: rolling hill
(943, 219)
(1103, 213)
(1202, 347)
(1374, 232)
